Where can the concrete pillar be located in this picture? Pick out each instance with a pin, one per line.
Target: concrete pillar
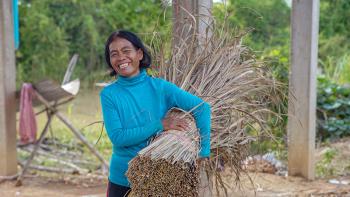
(8, 160)
(302, 88)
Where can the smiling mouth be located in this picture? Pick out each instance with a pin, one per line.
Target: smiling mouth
(122, 66)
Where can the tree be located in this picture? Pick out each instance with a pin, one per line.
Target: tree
(43, 45)
(52, 31)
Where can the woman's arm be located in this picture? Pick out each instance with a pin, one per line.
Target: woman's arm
(177, 97)
(125, 137)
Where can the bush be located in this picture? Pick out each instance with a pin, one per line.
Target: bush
(333, 109)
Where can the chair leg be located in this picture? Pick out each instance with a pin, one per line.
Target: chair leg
(74, 130)
(82, 139)
(36, 147)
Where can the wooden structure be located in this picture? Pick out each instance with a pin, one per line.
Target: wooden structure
(193, 18)
(51, 95)
(8, 153)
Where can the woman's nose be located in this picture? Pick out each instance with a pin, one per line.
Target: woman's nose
(120, 57)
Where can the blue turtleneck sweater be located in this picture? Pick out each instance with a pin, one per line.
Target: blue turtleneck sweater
(133, 109)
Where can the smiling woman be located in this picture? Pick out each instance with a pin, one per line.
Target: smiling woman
(135, 106)
(125, 54)
(125, 58)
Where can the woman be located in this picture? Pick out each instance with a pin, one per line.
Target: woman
(135, 105)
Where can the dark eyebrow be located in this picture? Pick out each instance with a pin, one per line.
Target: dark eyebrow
(126, 47)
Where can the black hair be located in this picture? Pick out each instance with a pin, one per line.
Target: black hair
(135, 41)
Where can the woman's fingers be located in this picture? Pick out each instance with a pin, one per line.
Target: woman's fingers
(173, 123)
(183, 124)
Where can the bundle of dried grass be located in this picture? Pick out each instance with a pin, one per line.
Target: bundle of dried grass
(167, 167)
(240, 90)
(161, 178)
(173, 145)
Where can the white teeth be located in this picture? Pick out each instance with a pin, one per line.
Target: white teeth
(123, 65)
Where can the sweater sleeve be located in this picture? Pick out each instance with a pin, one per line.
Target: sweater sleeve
(119, 136)
(177, 97)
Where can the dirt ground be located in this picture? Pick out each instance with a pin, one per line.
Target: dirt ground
(257, 184)
(272, 185)
(263, 185)
(39, 186)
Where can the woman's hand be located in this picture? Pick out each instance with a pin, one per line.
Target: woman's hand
(175, 123)
(203, 162)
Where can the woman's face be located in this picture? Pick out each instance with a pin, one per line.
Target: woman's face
(124, 58)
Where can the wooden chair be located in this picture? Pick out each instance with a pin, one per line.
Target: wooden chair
(51, 94)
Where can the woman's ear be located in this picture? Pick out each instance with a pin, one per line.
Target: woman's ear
(140, 54)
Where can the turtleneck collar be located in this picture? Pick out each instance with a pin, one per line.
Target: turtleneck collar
(130, 81)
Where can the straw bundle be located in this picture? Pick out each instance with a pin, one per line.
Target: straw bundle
(167, 167)
(173, 145)
(240, 90)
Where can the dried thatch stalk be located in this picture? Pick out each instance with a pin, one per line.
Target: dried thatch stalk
(239, 89)
(161, 178)
(167, 167)
(175, 146)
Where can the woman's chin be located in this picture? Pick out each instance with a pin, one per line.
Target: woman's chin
(128, 74)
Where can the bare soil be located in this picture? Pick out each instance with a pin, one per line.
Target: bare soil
(262, 185)
(69, 186)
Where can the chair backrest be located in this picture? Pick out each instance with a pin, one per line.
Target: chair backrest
(70, 69)
(53, 91)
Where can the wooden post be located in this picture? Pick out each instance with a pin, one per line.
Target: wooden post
(204, 18)
(302, 88)
(191, 17)
(8, 153)
(183, 22)
(36, 147)
(192, 22)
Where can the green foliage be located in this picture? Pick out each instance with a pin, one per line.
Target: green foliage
(324, 167)
(335, 69)
(43, 45)
(333, 102)
(269, 20)
(269, 25)
(334, 37)
(334, 47)
(333, 109)
(334, 18)
(52, 31)
(79, 21)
